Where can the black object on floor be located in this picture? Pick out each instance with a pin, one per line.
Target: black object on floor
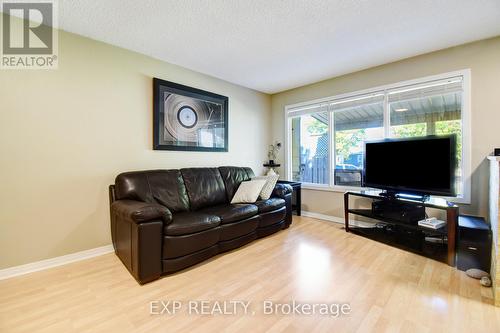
(473, 243)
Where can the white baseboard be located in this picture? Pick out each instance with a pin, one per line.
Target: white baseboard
(335, 219)
(53, 262)
(330, 218)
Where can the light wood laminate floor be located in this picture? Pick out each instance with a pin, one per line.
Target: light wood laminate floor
(314, 261)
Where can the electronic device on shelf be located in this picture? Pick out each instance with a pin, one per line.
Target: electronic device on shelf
(431, 223)
(420, 166)
(398, 210)
(436, 240)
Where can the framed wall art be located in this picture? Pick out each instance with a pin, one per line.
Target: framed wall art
(186, 118)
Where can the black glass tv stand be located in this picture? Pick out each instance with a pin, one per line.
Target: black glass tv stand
(408, 236)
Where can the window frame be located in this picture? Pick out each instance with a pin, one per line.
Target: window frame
(465, 74)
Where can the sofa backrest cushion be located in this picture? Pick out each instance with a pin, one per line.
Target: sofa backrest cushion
(204, 187)
(165, 187)
(232, 177)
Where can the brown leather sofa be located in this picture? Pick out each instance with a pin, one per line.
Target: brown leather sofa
(163, 221)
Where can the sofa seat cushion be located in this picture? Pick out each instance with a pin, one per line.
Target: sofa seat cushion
(272, 217)
(190, 222)
(240, 228)
(183, 245)
(232, 212)
(268, 205)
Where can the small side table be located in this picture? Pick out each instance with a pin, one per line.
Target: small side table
(296, 195)
(271, 166)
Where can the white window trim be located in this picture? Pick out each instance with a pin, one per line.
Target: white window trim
(466, 130)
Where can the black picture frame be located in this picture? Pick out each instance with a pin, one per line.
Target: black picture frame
(181, 113)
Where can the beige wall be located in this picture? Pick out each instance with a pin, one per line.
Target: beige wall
(483, 58)
(65, 134)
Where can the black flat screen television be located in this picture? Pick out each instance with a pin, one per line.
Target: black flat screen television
(421, 166)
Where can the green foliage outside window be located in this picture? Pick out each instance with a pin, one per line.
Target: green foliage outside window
(345, 141)
(409, 130)
(317, 127)
(452, 127)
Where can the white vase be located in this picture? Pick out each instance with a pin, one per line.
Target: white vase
(271, 172)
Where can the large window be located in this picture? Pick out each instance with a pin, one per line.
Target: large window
(326, 137)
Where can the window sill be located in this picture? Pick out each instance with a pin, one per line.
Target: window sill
(327, 188)
(343, 189)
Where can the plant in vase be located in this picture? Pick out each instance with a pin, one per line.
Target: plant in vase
(272, 154)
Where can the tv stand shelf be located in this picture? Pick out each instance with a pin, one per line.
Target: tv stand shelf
(384, 229)
(368, 213)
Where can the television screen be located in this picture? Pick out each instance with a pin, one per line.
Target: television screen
(424, 165)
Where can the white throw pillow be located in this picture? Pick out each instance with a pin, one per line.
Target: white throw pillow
(248, 191)
(267, 190)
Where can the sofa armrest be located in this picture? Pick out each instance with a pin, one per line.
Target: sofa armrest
(140, 212)
(284, 191)
(137, 233)
(281, 191)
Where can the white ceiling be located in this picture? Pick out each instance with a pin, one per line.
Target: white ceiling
(275, 45)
